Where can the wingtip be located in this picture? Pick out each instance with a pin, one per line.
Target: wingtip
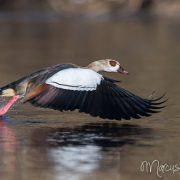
(159, 98)
(159, 102)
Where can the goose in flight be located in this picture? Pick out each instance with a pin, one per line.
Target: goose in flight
(69, 87)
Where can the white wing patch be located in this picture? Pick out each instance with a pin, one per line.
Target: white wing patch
(76, 79)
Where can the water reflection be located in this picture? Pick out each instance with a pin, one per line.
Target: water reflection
(8, 149)
(71, 152)
(73, 162)
(104, 135)
(88, 148)
(8, 138)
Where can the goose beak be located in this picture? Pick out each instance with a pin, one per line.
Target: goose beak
(122, 71)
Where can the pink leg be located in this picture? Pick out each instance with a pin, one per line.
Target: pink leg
(4, 109)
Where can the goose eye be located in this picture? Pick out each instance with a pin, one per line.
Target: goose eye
(113, 63)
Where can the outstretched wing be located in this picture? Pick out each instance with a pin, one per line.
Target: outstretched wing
(97, 97)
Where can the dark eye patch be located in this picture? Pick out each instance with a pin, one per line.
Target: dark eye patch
(112, 63)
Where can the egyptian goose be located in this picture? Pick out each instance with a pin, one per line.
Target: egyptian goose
(68, 87)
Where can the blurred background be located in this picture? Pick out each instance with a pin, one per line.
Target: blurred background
(40, 33)
(143, 35)
(95, 8)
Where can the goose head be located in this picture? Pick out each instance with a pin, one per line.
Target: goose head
(107, 65)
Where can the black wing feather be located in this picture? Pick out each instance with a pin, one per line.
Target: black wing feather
(107, 101)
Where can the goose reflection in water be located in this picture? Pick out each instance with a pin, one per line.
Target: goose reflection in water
(8, 149)
(67, 153)
(83, 149)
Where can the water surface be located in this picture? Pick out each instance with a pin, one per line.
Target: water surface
(46, 144)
